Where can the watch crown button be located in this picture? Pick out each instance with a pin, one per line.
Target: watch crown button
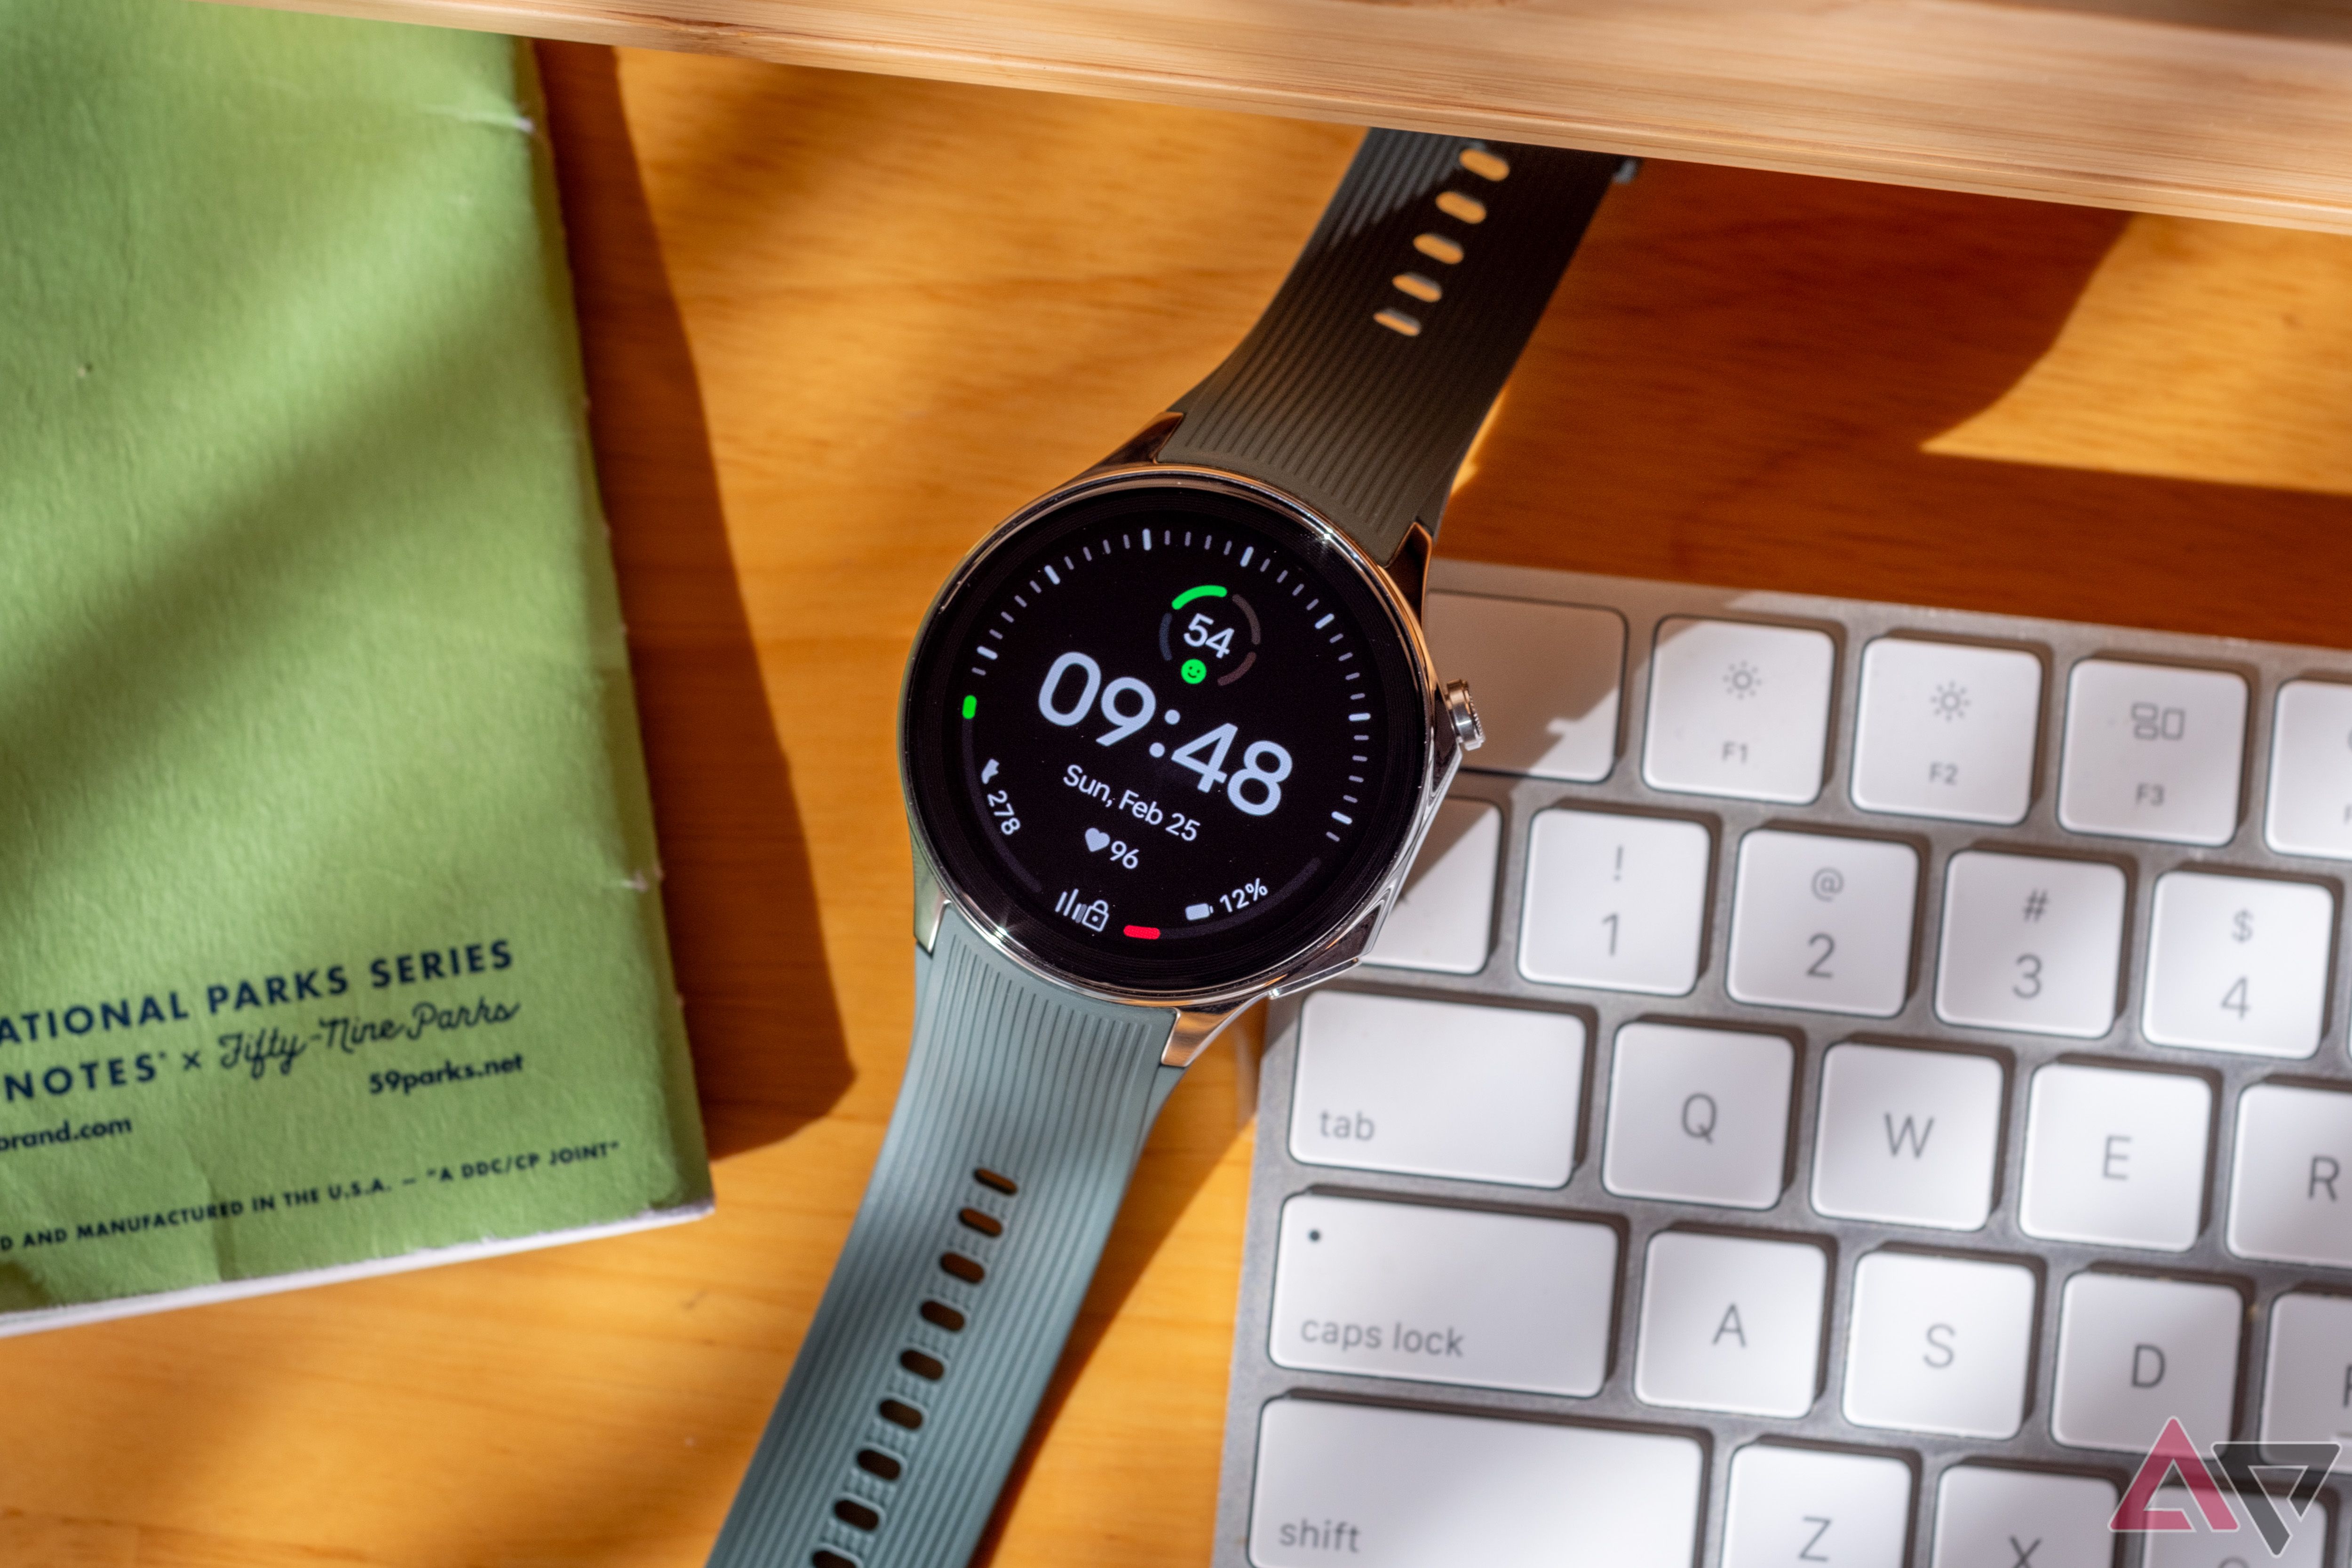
(1464, 715)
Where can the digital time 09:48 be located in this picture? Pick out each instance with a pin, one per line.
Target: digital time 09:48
(1074, 687)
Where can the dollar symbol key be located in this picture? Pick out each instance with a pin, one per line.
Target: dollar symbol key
(2241, 926)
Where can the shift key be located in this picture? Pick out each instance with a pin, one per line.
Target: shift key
(1372, 1488)
(1443, 1295)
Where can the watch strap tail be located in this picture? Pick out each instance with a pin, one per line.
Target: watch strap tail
(1360, 387)
(1024, 1110)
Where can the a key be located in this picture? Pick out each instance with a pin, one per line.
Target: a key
(1946, 730)
(1739, 708)
(1373, 1487)
(2202, 1546)
(2291, 1176)
(1988, 1517)
(1907, 1137)
(1443, 1295)
(1545, 677)
(1444, 921)
(1613, 902)
(2311, 771)
(2152, 752)
(1806, 1505)
(1437, 1089)
(2238, 963)
(1698, 1116)
(2115, 1157)
(2031, 943)
(2307, 1377)
(1822, 922)
(1939, 1344)
(1731, 1323)
(2135, 1353)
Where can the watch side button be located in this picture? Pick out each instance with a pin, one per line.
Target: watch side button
(1464, 715)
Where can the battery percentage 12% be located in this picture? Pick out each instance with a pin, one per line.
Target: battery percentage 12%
(1241, 898)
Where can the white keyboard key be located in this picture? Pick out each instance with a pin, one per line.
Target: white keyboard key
(1907, 1137)
(2115, 1157)
(1946, 730)
(1444, 918)
(2291, 1182)
(1939, 1344)
(2238, 963)
(1546, 678)
(1739, 708)
(2152, 752)
(2031, 943)
(1731, 1323)
(1992, 1518)
(1437, 1089)
(2307, 1381)
(1443, 1295)
(1804, 1505)
(2134, 1354)
(2311, 771)
(1698, 1116)
(1823, 922)
(2201, 1546)
(1371, 1488)
(1613, 902)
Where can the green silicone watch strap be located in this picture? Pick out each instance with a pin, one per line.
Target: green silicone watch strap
(1357, 391)
(952, 1298)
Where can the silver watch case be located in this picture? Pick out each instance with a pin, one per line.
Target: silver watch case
(1396, 584)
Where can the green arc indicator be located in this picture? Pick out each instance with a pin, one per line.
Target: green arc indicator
(971, 705)
(1206, 591)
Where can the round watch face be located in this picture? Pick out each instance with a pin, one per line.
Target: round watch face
(1166, 738)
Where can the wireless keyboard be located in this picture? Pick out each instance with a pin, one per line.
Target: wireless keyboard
(1840, 1079)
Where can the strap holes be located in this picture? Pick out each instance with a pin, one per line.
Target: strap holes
(899, 1414)
(928, 1367)
(1425, 289)
(1398, 321)
(962, 1268)
(874, 1462)
(821, 1558)
(1469, 209)
(1484, 164)
(1437, 248)
(986, 1224)
(941, 1315)
(850, 1511)
(988, 1178)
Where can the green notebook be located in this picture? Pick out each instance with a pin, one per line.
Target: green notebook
(329, 937)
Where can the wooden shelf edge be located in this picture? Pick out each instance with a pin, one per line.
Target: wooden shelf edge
(2036, 102)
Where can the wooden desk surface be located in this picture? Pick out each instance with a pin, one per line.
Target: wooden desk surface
(837, 325)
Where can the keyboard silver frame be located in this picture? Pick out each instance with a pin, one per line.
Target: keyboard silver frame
(1275, 1176)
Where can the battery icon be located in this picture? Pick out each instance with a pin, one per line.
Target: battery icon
(1198, 911)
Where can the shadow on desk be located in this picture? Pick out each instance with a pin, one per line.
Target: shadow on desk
(1743, 375)
(769, 1053)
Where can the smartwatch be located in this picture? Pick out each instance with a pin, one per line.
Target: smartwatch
(1170, 738)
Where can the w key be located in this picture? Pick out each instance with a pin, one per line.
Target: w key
(1907, 1137)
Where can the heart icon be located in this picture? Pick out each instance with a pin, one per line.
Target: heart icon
(1096, 839)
